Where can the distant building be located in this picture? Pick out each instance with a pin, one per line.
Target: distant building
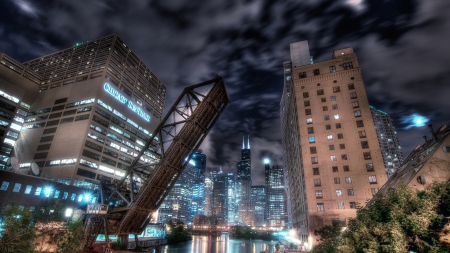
(331, 148)
(243, 186)
(260, 198)
(208, 196)
(232, 203)
(428, 163)
(275, 207)
(220, 196)
(389, 143)
(198, 161)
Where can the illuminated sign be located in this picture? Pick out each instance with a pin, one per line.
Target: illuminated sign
(113, 92)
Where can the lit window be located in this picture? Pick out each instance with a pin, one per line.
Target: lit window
(38, 191)
(357, 113)
(312, 139)
(28, 189)
(333, 98)
(353, 95)
(4, 186)
(336, 116)
(340, 205)
(333, 158)
(362, 134)
(350, 192)
(337, 180)
(9, 142)
(332, 69)
(374, 191)
(355, 104)
(319, 194)
(17, 187)
(330, 137)
(16, 127)
(73, 196)
(317, 182)
(309, 121)
(348, 180)
(65, 195)
(372, 179)
(314, 160)
(9, 97)
(338, 193)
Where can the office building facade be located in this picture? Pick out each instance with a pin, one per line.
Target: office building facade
(388, 139)
(198, 161)
(95, 106)
(220, 196)
(275, 207)
(326, 118)
(260, 198)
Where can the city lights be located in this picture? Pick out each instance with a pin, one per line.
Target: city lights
(266, 161)
(48, 191)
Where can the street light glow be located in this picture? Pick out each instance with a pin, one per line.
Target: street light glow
(48, 191)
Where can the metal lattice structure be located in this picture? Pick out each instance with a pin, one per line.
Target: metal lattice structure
(171, 146)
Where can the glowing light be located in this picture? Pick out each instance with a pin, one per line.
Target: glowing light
(113, 92)
(266, 161)
(48, 191)
(414, 120)
(68, 212)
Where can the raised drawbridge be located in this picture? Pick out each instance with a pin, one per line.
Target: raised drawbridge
(158, 165)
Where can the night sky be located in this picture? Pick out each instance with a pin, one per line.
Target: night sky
(403, 49)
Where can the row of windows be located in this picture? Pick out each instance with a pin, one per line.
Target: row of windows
(332, 69)
(340, 205)
(372, 180)
(339, 192)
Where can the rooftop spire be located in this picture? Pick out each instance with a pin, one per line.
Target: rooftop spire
(248, 141)
(243, 142)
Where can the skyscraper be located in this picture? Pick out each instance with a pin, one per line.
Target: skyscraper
(389, 143)
(275, 195)
(232, 204)
(260, 199)
(198, 161)
(208, 196)
(246, 207)
(330, 144)
(245, 165)
(96, 105)
(220, 196)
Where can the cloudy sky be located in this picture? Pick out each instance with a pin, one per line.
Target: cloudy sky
(402, 46)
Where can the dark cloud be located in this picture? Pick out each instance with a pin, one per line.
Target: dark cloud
(402, 47)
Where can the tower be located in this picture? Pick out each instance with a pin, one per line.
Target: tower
(246, 206)
(331, 149)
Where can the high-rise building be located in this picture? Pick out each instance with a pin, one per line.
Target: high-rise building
(95, 106)
(178, 203)
(232, 204)
(259, 197)
(245, 165)
(198, 161)
(275, 209)
(246, 207)
(208, 196)
(330, 143)
(220, 196)
(388, 139)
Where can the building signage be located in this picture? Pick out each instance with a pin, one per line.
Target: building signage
(113, 92)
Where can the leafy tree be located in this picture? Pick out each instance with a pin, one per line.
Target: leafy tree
(18, 232)
(331, 240)
(70, 240)
(177, 232)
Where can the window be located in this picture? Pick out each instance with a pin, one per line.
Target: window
(319, 194)
(357, 113)
(44, 147)
(374, 191)
(334, 107)
(314, 160)
(355, 104)
(326, 117)
(28, 189)
(316, 171)
(340, 205)
(327, 127)
(336, 116)
(340, 136)
(329, 136)
(335, 169)
(316, 72)
(90, 154)
(372, 179)
(331, 147)
(346, 168)
(332, 69)
(347, 65)
(350, 192)
(320, 207)
(351, 86)
(305, 94)
(310, 130)
(364, 144)
(73, 196)
(82, 117)
(336, 89)
(320, 92)
(32, 209)
(309, 121)
(65, 195)
(312, 139)
(307, 103)
(362, 134)
(344, 156)
(57, 192)
(325, 108)
(367, 156)
(308, 111)
(313, 150)
(348, 180)
(333, 98)
(323, 100)
(369, 167)
(337, 180)
(342, 146)
(317, 182)
(17, 187)
(353, 95)
(353, 205)
(302, 75)
(338, 192)
(359, 123)
(338, 125)
(4, 186)
(38, 191)
(333, 158)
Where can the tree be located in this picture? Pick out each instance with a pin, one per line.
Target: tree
(177, 232)
(18, 233)
(331, 240)
(70, 240)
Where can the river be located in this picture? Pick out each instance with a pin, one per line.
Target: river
(220, 244)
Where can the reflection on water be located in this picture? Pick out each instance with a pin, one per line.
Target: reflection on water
(220, 244)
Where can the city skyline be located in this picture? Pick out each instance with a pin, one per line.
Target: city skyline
(399, 47)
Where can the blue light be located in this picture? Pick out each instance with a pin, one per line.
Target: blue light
(113, 92)
(266, 161)
(414, 120)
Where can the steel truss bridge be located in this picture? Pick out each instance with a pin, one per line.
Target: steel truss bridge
(147, 181)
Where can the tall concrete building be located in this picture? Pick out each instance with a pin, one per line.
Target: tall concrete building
(331, 148)
(85, 112)
(275, 207)
(388, 139)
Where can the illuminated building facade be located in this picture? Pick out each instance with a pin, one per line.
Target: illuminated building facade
(95, 106)
(389, 143)
(275, 207)
(232, 204)
(208, 196)
(220, 196)
(246, 207)
(260, 198)
(198, 161)
(331, 148)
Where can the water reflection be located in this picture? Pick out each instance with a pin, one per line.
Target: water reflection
(221, 244)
